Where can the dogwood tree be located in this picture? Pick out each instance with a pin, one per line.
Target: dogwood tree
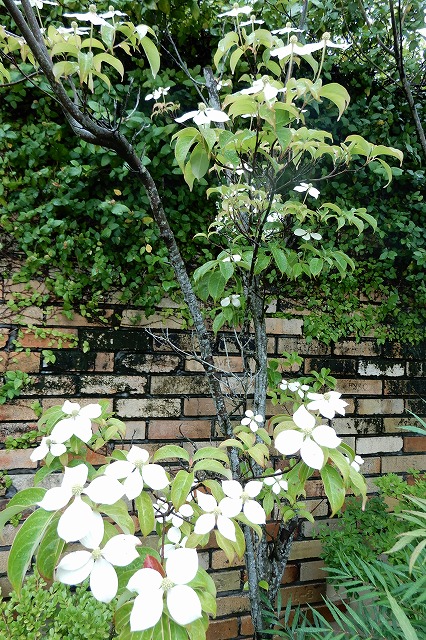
(253, 129)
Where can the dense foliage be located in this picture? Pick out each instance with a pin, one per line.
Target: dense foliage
(63, 205)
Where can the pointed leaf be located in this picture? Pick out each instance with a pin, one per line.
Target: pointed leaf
(152, 55)
(145, 509)
(170, 452)
(333, 487)
(181, 487)
(50, 550)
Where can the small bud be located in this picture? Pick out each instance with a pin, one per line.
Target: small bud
(92, 8)
(326, 36)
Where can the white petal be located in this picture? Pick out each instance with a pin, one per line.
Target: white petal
(205, 523)
(57, 449)
(230, 507)
(91, 411)
(137, 454)
(155, 476)
(119, 469)
(206, 501)
(253, 488)
(288, 442)
(75, 476)
(103, 581)
(232, 488)
(303, 419)
(174, 535)
(145, 580)
(201, 117)
(216, 115)
(187, 116)
(147, 610)
(326, 436)
(105, 490)
(83, 428)
(55, 499)
(312, 454)
(182, 566)
(95, 534)
(75, 522)
(186, 510)
(70, 407)
(40, 452)
(254, 512)
(75, 567)
(183, 604)
(226, 528)
(133, 485)
(121, 550)
(63, 430)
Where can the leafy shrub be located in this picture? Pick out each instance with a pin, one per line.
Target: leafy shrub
(57, 613)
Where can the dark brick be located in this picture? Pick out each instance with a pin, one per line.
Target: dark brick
(114, 340)
(409, 351)
(71, 361)
(413, 387)
(337, 366)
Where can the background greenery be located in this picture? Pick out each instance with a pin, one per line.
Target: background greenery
(66, 205)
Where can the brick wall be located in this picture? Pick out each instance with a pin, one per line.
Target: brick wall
(160, 395)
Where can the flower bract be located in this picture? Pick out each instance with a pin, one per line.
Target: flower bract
(308, 438)
(98, 563)
(78, 423)
(183, 603)
(204, 115)
(276, 483)
(243, 497)
(136, 470)
(47, 445)
(328, 404)
(217, 515)
(304, 186)
(252, 421)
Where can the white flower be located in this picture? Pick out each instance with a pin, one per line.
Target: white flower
(70, 31)
(48, 445)
(287, 29)
(204, 115)
(79, 422)
(183, 602)
(309, 439)
(234, 300)
(137, 471)
(91, 16)
(76, 520)
(236, 11)
(422, 32)
(98, 564)
(178, 518)
(328, 404)
(357, 462)
(326, 42)
(269, 91)
(296, 48)
(276, 483)
(234, 258)
(157, 93)
(294, 387)
(141, 30)
(216, 514)
(39, 3)
(111, 13)
(175, 541)
(307, 235)
(252, 421)
(251, 21)
(304, 186)
(244, 498)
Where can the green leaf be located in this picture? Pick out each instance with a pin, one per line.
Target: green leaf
(214, 466)
(107, 58)
(280, 259)
(216, 285)
(21, 501)
(316, 265)
(119, 513)
(402, 619)
(50, 550)
(333, 487)
(337, 94)
(24, 545)
(146, 516)
(199, 161)
(152, 55)
(211, 452)
(170, 452)
(185, 140)
(181, 487)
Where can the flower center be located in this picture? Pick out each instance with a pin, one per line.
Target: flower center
(216, 511)
(244, 497)
(96, 554)
(74, 413)
(48, 442)
(138, 464)
(77, 490)
(167, 584)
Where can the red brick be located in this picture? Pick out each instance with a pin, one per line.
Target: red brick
(178, 429)
(20, 361)
(232, 604)
(4, 335)
(247, 628)
(220, 561)
(415, 444)
(199, 407)
(17, 410)
(303, 594)
(16, 459)
(104, 362)
(30, 339)
(222, 629)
